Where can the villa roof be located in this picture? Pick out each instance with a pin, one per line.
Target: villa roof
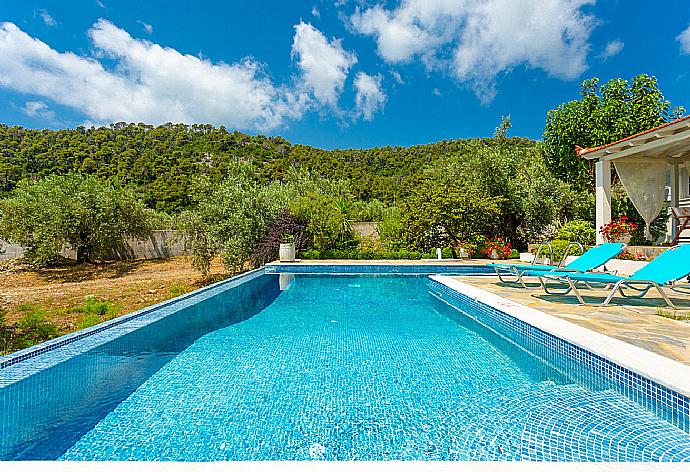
(670, 140)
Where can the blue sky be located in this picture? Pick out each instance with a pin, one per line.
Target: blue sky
(329, 74)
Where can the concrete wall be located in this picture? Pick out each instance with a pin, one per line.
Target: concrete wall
(161, 244)
(366, 229)
(12, 251)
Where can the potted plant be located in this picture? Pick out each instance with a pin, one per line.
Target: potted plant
(287, 248)
(619, 230)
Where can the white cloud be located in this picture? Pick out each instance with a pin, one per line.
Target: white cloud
(437, 92)
(369, 98)
(38, 109)
(324, 64)
(476, 40)
(397, 77)
(147, 27)
(100, 4)
(47, 19)
(315, 12)
(148, 82)
(684, 40)
(611, 49)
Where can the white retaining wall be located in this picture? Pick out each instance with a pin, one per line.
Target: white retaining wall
(161, 244)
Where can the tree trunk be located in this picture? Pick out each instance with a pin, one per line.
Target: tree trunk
(83, 255)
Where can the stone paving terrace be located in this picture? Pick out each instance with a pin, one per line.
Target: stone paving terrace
(634, 321)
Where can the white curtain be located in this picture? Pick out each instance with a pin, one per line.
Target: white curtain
(644, 180)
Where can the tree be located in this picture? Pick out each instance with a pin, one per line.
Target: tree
(532, 200)
(81, 212)
(230, 220)
(616, 110)
(441, 215)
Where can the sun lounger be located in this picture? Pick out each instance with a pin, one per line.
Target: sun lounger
(590, 260)
(665, 271)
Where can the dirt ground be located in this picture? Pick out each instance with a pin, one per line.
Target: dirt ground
(129, 285)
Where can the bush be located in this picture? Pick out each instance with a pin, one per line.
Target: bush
(327, 224)
(580, 231)
(390, 230)
(178, 289)
(372, 210)
(33, 328)
(368, 254)
(283, 228)
(95, 311)
(230, 219)
(94, 306)
(442, 215)
(559, 246)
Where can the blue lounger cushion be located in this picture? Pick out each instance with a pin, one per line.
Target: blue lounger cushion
(590, 260)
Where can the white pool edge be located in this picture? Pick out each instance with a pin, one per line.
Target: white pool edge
(660, 369)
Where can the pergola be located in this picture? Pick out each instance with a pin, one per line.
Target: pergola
(643, 162)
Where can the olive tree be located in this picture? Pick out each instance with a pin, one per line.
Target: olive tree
(229, 220)
(77, 211)
(440, 215)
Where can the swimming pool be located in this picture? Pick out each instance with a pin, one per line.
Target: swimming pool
(319, 366)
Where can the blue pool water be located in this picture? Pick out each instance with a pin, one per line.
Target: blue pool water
(332, 367)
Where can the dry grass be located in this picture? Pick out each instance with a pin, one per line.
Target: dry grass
(128, 285)
(674, 314)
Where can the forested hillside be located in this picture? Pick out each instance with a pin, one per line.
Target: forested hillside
(237, 196)
(161, 161)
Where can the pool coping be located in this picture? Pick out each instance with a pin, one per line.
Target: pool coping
(398, 262)
(662, 370)
(103, 328)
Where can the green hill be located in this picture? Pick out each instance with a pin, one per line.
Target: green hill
(161, 160)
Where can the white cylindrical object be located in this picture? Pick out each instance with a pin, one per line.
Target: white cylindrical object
(439, 253)
(287, 252)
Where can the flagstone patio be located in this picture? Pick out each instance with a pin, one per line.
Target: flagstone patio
(637, 322)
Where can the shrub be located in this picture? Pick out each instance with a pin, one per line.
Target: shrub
(282, 229)
(178, 289)
(367, 254)
(579, 231)
(372, 210)
(499, 246)
(33, 328)
(559, 246)
(390, 230)
(230, 219)
(617, 228)
(440, 215)
(94, 306)
(327, 224)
